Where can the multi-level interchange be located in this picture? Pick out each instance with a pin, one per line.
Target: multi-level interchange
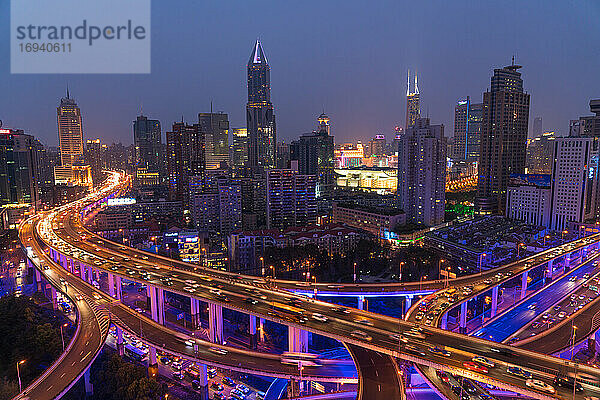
(68, 257)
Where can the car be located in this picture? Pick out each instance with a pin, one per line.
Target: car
(586, 276)
(251, 300)
(319, 317)
(460, 393)
(218, 350)
(519, 372)
(562, 314)
(532, 306)
(228, 381)
(567, 382)
(189, 289)
(540, 385)
(470, 365)
(189, 342)
(218, 396)
(342, 310)
(581, 297)
(468, 386)
(178, 375)
(442, 376)
(415, 351)
(364, 322)
(165, 360)
(217, 386)
(212, 373)
(195, 385)
(440, 351)
(398, 337)
(360, 335)
(243, 388)
(483, 361)
(572, 278)
(556, 307)
(176, 365)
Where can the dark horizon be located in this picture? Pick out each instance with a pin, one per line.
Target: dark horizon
(347, 59)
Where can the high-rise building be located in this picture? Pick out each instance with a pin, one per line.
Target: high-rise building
(528, 199)
(239, 147)
(147, 142)
(574, 176)
(413, 110)
(376, 146)
(503, 137)
(284, 155)
(467, 130)
(215, 127)
(216, 204)
(538, 128)
(315, 156)
(19, 167)
(539, 154)
(422, 173)
(186, 152)
(260, 115)
(291, 199)
(94, 157)
(70, 131)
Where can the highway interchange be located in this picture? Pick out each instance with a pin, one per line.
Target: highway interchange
(366, 332)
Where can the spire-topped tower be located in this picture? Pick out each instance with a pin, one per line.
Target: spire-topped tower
(412, 102)
(260, 116)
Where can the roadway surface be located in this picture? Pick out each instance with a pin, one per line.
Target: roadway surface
(92, 329)
(378, 333)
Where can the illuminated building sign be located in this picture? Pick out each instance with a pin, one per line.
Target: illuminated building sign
(121, 201)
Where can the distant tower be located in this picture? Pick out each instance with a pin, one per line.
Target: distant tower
(70, 131)
(412, 102)
(260, 116)
(324, 123)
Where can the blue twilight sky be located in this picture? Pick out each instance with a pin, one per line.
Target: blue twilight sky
(347, 57)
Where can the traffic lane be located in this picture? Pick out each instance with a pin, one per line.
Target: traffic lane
(387, 338)
(87, 341)
(566, 310)
(503, 327)
(378, 373)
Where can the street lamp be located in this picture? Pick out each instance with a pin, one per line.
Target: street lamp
(62, 337)
(481, 257)
(546, 237)
(354, 272)
(19, 374)
(519, 248)
(262, 266)
(399, 272)
(562, 235)
(421, 281)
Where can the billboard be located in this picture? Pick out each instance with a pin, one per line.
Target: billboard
(540, 180)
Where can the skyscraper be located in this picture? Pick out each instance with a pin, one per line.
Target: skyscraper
(291, 199)
(467, 130)
(539, 154)
(215, 127)
(147, 143)
(185, 148)
(315, 156)
(18, 168)
(260, 116)
(538, 128)
(239, 147)
(422, 173)
(70, 131)
(503, 137)
(413, 110)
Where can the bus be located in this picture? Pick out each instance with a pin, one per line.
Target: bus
(134, 353)
(303, 359)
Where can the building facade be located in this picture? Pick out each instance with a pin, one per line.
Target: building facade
(215, 128)
(19, 168)
(467, 130)
(376, 220)
(239, 147)
(539, 154)
(147, 142)
(530, 201)
(503, 137)
(186, 158)
(291, 199)
(422, 173)
(413, 99)
(70, 131)
(260, 114)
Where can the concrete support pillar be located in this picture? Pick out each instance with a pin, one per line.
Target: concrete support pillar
(89, 389)
(463, 317)
(54, 298)
(261, 329)
(118, 287)
(494, 301)
(297, 340)
(120, 344)
(195, 313)
(253, 331)
(38, 280)
(90, 274)
(215, 323)
(567, 262)
(524, 284)
(157, 304)
(361, 302)
(444, 323)
(152, 362)
(203, 381)
(111, 285)
(407, 303)
(549, 270)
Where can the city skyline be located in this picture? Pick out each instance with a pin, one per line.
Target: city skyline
(381, 93)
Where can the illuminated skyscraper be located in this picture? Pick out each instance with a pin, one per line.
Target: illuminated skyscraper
(503, 137)
(260, 116)
(239, 147)
(467, 130)
(70, 131)
(215, 127)
(412, 103)
(147, 142)
(186, 158)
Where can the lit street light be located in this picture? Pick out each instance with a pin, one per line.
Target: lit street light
(62, 337)
(19, 374)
